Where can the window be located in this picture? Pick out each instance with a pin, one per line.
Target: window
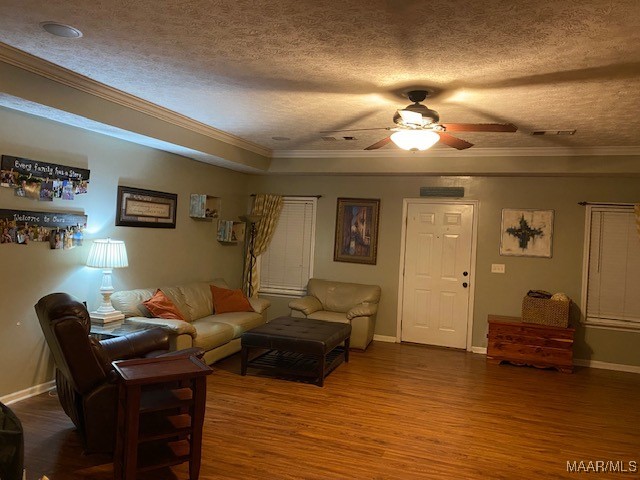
(287, 265)
(611, 274)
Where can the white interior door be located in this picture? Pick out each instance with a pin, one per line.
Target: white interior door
(437, 273)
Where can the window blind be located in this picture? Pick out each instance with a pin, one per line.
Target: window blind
(614, 268)
(286, 266)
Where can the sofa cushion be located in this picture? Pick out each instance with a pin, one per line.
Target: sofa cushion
(240, 321)
(329, 316)
(177, 298)
(197, 298)
(129, 301)
(210, 333)
(226, 301)
(161, 306)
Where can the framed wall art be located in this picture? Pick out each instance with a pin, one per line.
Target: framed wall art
(357, 230)
(526, 233)
(146, 208)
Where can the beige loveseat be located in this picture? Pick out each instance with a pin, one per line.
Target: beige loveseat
(342, 302)
(217, 334)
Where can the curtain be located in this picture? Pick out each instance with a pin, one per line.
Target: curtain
(636, 210)
(269, 207)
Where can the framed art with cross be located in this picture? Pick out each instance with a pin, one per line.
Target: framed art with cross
(526, 233)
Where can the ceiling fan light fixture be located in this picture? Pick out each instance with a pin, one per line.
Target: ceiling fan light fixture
(415, 139)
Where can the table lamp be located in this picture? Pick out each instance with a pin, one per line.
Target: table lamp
(107, 254)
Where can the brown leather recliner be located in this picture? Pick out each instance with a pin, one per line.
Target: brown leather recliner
(85, 379)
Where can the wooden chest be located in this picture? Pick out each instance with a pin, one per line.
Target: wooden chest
(542, 346)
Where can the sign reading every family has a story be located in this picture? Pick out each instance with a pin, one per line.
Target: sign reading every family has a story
(42, 181)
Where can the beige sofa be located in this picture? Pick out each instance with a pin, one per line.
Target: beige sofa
(331, 301)
(217, 334)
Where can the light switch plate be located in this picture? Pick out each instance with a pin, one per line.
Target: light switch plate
(497, 268)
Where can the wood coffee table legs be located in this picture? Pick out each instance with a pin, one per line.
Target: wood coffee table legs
(290, 363)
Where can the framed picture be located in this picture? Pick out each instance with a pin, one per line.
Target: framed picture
(526, 233)
(146, 208)
(357, 230)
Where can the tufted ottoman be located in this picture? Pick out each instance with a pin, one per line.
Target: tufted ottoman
(299, 346)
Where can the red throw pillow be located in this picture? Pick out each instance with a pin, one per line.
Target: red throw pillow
(226, 301)
(161, 307)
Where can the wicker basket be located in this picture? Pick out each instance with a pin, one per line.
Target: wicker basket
(545, 312)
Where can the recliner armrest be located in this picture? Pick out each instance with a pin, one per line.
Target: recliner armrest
(135, 344)
(306, 305)
(362, 310)
(174, 327)
(259, 305)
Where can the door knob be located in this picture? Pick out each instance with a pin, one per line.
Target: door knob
(465, 284)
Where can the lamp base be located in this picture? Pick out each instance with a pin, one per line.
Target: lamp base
(105, 318)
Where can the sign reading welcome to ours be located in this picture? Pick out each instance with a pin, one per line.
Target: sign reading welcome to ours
(61, 230)
(43, 219)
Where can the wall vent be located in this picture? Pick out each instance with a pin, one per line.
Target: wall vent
(554, 132)
(457, 192)
(336, 139)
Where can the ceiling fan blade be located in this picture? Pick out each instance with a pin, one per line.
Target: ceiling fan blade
(379, 144)
(355, 130)
(410, 118)
(454, 142)
(479, 127)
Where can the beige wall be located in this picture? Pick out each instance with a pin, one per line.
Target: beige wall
(190, 251)
(494, 293)
(156, 256)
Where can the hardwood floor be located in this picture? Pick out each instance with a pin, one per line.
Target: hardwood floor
(393, 412)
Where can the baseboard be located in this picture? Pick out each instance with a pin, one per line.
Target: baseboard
(28, 392)
(606, 365)
(584, 363)
(385, 338)
(480, 350)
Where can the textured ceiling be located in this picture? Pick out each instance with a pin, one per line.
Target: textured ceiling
(259, 68)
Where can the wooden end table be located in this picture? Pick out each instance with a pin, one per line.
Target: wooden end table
(161, 404)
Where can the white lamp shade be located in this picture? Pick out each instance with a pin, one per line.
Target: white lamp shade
(108, 253)
(415, 139)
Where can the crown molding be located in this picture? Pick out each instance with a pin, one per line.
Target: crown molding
(56, 73)
(475, 152)
(44, 68)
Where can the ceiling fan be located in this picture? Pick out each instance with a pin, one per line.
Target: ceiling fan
(418, 127)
